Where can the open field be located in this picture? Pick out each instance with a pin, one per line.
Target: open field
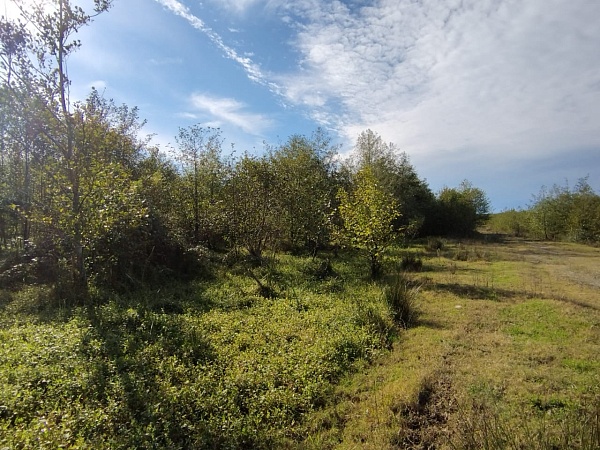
(505, 354)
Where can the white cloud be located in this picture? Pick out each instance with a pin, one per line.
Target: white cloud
(493, 79)
(231, 111)
(458, 84)
(238, 6)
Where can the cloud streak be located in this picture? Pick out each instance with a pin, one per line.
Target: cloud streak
(479, 83)
(231, 111)
(252, 69)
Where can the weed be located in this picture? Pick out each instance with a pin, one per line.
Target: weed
(489, 426)
(319, 269)
(434, 245)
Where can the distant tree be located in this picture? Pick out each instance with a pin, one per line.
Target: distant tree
(550, 211)
(459, 211)
(560, 213)
(367, 214)
(584, 218)
(395, 175)
(512, 222)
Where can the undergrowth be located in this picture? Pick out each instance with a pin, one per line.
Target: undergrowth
(462, 355)
(211, 364)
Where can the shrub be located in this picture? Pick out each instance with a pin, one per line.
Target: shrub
(434, 244)
(411, 263)
(319, 269)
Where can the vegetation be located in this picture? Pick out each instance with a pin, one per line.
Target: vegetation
(558, 214)
(503, 353)
(208, 301)
(498, 350)
(367, 215)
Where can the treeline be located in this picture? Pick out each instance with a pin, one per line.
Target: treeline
(560, 213)
(85, 198)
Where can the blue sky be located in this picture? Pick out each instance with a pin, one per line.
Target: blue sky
(505, 93)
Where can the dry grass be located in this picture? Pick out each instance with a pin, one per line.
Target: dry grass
(506, 354)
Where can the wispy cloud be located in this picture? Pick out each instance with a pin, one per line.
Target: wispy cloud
(231, 111)
(496, 83)
(252, 69)
(238, 6)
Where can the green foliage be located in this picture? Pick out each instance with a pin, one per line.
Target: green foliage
(511, 222)
(564, 214)
(304, 191)
(395, 175)
(411, 262)
(459, 211)
(368, 213)
(147, 370)
(252, 213)
(435, 244)
(401, 295)
(201, 188)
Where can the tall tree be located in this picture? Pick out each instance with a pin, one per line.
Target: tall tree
(202, 182)
(396, 175)
(254, 219)
(45, 76)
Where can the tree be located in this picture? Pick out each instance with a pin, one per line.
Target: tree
(202, 182)
(254, 221)
(43, 75)
(459, 211)
(304, 190)
(396, 175)
(367, 213)
(562, 213)
(584, 217)
(550, 212)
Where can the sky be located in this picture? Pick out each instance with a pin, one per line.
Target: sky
(504, 93)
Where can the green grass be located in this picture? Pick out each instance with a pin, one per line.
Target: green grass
(503, 353)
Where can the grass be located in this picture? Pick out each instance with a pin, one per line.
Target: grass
(503, 353)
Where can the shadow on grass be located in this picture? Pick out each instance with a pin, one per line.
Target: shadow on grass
(474, 292)
(490, 293)
(428, 323)
(139, 359)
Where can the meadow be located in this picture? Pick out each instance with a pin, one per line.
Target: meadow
(472, 344)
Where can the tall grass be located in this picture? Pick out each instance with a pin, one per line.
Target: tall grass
(401, 296)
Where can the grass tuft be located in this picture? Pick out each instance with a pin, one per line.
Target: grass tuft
(401, 296)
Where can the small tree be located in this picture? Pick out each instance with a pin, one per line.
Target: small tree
(253, 216)
(368, 213)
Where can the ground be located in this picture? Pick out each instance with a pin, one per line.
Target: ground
(506, 354)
